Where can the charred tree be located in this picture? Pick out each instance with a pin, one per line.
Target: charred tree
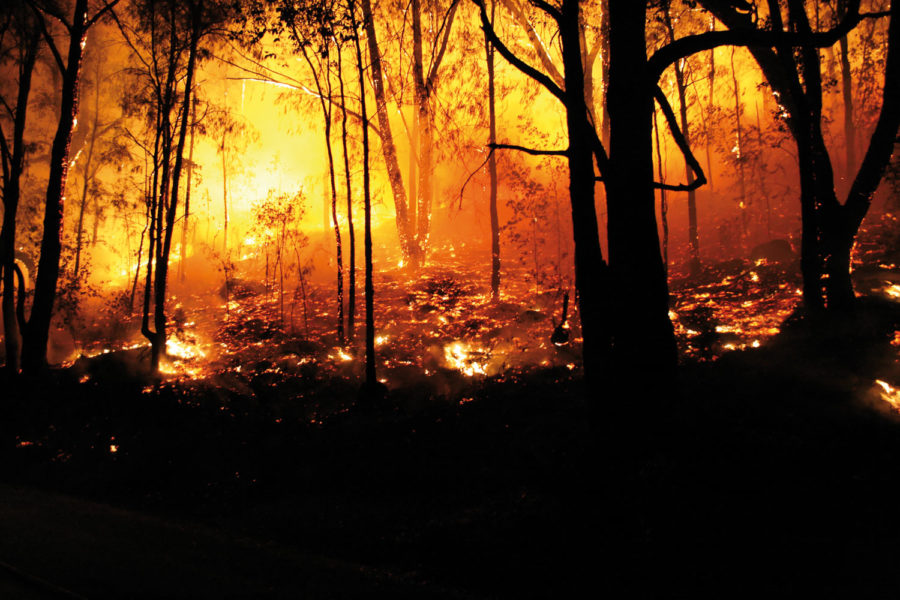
(37, 330)
(372, 390)
(829, 227)
(13, 162)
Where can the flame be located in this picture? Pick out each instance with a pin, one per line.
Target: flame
(178, 349)
(889, 394)
(466, 359)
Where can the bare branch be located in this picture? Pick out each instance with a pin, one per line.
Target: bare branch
(515, 61)
(548, 8)
(531, 151)
(99, 15)
(692, 44)
(446, 26)
(536, 42)
(49, 38)
(682, 145)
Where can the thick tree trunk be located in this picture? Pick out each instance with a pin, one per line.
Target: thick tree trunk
(37, 331)
(643, 337)
(388, 149)
(591, 275)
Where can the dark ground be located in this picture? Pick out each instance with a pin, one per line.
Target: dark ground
(771, 472)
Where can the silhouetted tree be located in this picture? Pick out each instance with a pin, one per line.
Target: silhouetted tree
(37, 330)
(20, 41)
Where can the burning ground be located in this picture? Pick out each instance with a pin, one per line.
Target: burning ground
(776, 461)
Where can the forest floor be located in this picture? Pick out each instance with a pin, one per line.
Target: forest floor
(772, 469)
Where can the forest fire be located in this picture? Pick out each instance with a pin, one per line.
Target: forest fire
(421, 287)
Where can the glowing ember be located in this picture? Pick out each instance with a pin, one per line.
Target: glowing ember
(889, 394)
(892, 291)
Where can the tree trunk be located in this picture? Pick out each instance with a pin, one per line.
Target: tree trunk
(162, 268)
(492, 170)
(371, 381)
(404, 227)
(739, 158)
(37, 330)
(591, 276)
(847, 93)
(324, 101)
(11, 192)
(87, 174)
(643, 337)
(693, 236)
(426, 138)
(187, 193)
(351, 291)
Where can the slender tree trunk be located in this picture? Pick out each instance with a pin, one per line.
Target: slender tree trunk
(37, 331)
(663, 200)
(11, 192)
(681, 87)
(371, 381)
(326, 112)
(426, 137)
(223, 149)
(187, 193)
(604, 64)
(158, 345)
(739, 133)
(87, 174)
(351, 291)
(847, 93)
(492, 170)
(388, 149)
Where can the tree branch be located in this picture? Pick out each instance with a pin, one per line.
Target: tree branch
(548, 8)
(885, 136)
(682, 145)
(446, 26)
(518, 63)
(684, 47)
(99, 15)
(50, 43)
(536, 43)
(531, 151)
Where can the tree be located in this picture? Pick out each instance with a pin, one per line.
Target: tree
(167, 46)
(624, 304)
(21, 31)
(492, 168)
(829, 227)
(37, 330)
